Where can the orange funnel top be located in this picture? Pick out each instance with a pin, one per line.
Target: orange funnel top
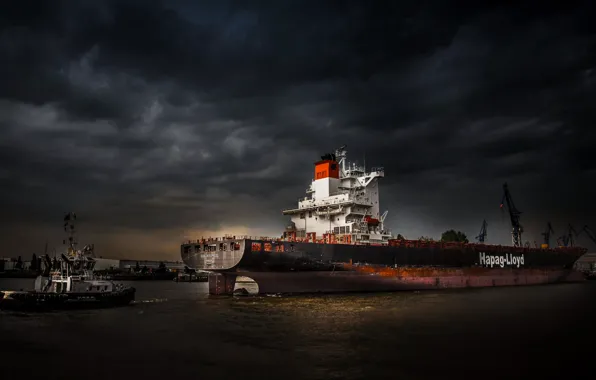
(326, 169)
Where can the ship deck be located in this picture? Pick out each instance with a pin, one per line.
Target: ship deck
(402, 243)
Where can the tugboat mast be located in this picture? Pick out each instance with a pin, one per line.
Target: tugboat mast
(69, 226)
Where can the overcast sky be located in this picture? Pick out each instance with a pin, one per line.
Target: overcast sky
(161, 121)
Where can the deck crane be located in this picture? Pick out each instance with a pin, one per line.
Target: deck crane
(482, 236)
(516, 228)
(546, 234)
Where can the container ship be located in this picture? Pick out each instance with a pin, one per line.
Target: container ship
(337, 242)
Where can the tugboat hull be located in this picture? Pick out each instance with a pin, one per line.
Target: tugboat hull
(39, 301)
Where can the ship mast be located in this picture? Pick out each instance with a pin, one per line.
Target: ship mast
(340, 155)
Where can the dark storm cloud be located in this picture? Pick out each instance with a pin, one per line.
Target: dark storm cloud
(183, 115)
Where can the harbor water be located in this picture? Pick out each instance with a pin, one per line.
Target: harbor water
(176, 330)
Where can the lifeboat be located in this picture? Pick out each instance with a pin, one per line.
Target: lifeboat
(371, 221)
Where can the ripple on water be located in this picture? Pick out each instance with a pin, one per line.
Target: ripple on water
(179, 331)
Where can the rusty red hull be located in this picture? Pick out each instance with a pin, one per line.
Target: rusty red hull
(354, 281)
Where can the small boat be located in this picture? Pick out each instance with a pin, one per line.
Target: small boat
(68, 282)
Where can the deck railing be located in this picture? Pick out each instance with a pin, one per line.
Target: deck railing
(391, 242)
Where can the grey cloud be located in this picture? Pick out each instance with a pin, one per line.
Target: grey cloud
(151, 117)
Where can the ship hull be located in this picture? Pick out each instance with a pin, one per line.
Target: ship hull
(344, 282)
(41, 301)
(286, 267)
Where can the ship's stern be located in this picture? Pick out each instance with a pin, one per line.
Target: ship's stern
(219, 257)
(221, 254)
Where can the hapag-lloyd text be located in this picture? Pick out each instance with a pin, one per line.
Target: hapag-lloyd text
(501, 260)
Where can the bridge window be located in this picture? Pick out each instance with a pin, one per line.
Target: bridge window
(197, 248)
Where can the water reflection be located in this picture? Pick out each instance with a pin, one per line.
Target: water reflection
(177, 329)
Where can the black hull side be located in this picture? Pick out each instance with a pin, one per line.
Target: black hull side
(37, 301)
(285, 267)
(297, 256)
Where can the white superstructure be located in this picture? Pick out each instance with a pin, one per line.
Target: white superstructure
(342, 204)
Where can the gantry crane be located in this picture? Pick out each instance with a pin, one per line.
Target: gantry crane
(514, 214)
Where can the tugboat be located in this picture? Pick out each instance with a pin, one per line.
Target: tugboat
(68, 283)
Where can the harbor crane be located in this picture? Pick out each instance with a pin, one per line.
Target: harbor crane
(514, 214)
(589, 232)
(546, 234)
(482, 236)
(567, 239)
(571, 232)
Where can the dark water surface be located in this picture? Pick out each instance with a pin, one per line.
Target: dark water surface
(175, 330)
